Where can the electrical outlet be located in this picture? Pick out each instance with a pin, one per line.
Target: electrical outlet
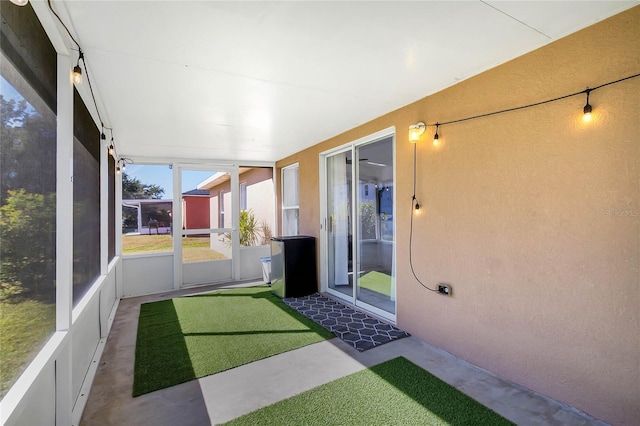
(444, 289)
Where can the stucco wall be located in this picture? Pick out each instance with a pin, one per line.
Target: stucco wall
(532, 216)
(260, 200)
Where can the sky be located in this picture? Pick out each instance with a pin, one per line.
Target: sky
(162, 175)
(9, 92)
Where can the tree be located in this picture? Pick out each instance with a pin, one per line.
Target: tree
(133, 189)
(27, 144)
(27, 199)
(27, 229)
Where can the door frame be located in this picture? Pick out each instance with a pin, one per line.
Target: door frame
(234, 173)
(324, 243)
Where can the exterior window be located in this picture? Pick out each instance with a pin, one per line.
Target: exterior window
(290, 200)
(243, 196)
(221, 214)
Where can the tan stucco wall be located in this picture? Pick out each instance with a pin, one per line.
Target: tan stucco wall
(531, 216)
(260, 199)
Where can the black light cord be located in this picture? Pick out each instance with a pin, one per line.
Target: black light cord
(587, 91)
(414, 202)
(62, 23)
(84, 62)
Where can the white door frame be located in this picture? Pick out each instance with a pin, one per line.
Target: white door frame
(233, 170)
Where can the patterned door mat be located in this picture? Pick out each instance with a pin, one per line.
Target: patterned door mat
(356, 328)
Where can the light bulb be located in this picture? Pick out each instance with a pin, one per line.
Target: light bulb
(111, 149)
(436, 141)
(587, 113)
(118, 170)
(77, 75)
(20, 2)
(414, 135)
(415, 131)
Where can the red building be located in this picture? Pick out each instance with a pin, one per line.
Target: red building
(195, 209)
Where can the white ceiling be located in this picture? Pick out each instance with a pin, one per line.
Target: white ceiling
(257, 81)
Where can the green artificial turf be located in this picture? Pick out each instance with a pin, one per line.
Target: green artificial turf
(376, 281)
(396, 392)
(190, 337)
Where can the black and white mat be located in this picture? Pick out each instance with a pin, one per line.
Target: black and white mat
(356, 328)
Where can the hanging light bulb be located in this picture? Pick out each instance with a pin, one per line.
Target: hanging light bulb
(76, 76)
(587, 109)
(415, 131)
(436, 137)
(20, 2)
(118, 169)
(124, 165)
(111, 149)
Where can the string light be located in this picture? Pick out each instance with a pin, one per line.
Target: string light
(77, 71)
(416, 130)
(587, 109)
(122, 164)
(416, 211)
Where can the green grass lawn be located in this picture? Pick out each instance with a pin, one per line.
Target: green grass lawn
(25, 327)
(193, 249)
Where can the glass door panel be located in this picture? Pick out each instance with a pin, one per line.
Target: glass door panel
(339, 247)
(375, 286)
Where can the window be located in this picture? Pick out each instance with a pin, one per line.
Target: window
(221, 210)
(243, 196)
(290, 203)
(27, 191)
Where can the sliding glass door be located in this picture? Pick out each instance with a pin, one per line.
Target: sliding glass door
(358, 239)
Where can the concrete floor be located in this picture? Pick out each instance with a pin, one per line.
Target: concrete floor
(229, 394)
